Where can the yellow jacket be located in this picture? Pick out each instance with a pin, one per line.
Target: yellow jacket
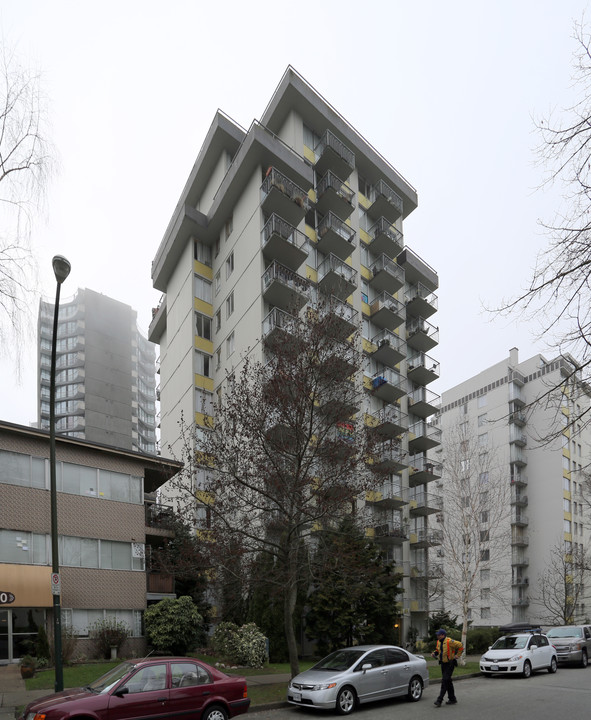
(451, 649)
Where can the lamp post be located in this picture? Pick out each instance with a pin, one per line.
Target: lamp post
(61, 269)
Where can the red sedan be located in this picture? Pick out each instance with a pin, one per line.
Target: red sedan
(151, 689)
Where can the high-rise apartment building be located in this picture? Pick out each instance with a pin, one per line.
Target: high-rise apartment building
(105, 373)
(547, 517)
(301, 207)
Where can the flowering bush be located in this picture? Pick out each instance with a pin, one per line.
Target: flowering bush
(173, 625)
(244, 645)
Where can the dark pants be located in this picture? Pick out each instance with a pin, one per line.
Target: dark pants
(447, 686)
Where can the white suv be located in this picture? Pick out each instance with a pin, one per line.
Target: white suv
(521, 653)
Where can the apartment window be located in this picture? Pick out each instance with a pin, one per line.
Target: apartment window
(230, 345)
(202, 289)
(229, 226)
(365, 328)
(485, 555)
(23, 548)
(218, 358)
(566, 505)
(565, 463)
(229, 304)
(464, 409)
(218, 321)
(203, 401)
(229, 265)
(485, 594)
(485, 576)
(203, 364)
(566, 484)
(567, 526)
(364, 187)
(218, 282)
(482, 420)
(20, 469)
(483, 440)
(483, 478)
(484, 497)
(203, 253)
(484, 536)
(466, 501)
(217, 246)
(203, 326)
(364, 253)
(482, 401)
(485, 613)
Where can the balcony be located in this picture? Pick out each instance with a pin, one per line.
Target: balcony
(518, 418)
(160, 517)
(336, 277)
(425, 538)
(423, 436)
(281, 196)
(278, 328)
(519, 539)
(431, 571)
(390, 421)
(342, 318)
(423, 402)
(422, 470)
(390, 348)
(519, 557)
(516, 437)
(337, 361)
(518, 497)
(332, 154)
(417, 270)
(335, 236)
(384, 202)
(517, 456)
(160, 583)
(282, 242)
(519, 518)
(388, 496)
(334, 195)
(518, 479)
(385, 239)
(387, 312)
(339, 402)
(421, 335)
(386, 275)
(420, 301)
(284, 288)
(516, 377)
(424, 503)
(391, 533)
(422, 369)
(516, 395)
(388, 385)
(520, 602)
(390, 458)
(520, 582)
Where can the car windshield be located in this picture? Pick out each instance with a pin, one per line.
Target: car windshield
(106, 681)
(565, 632)
(339, 660)
(510, 642)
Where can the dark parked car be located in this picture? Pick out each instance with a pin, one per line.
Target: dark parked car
(572, 643)
(172, 687)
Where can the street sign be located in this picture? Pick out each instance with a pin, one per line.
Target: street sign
(6, 597)
(56, 584)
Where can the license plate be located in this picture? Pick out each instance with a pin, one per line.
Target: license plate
(494, 667)
(297, 696)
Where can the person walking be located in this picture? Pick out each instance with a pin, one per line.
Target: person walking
(446, 651)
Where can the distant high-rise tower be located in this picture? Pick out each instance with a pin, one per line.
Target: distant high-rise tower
(105, 373)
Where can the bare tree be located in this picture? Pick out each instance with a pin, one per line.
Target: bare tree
(26, 161)
(558, 297)
(561, 587)
(475, 525)
(285, 459)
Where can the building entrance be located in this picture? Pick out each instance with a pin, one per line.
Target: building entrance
(19, 628)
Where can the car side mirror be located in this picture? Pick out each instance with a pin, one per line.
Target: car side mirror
(120, 692)
(533, 647)
(366, 666)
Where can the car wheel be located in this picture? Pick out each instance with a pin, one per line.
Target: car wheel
(526, 669)
(346, 700)
(553, 665)
(215, 712)
(584, 659)
(415, 689)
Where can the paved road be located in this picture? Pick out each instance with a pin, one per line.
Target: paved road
(563, 696)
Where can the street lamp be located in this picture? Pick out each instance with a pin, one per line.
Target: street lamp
(61, 269)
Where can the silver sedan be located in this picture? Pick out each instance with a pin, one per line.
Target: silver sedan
(357, 675)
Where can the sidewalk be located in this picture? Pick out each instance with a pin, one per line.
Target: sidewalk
(13, 693)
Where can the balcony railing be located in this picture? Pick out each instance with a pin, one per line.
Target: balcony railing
(424, 402)
(421, 301)
(422, 368)
(283, 196)
(386, 275)
(282, 241)
(332, 194)
(332, 153)
(390, 348)
(387, 312)
(389, 421)
(337, 278)
(335, 236)
(417, 270)
(284, 287)
(421, 334)
(389, 385)
(385, 238)
(424, 502)
(392, 531)
(384, 202)
(277, 326)
(344, 318)
(426, 436)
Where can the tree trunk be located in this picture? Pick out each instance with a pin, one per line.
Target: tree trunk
(289, 604)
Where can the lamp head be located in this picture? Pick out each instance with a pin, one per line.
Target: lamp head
(61, 268)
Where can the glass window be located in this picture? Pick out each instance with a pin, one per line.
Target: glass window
(229, 304)
(203, 365)
(482, 401)
(483, 439)
(203, 326)
(203, 253)
(229, 265)
(482, 420)
(115, 555)
(150, 678)
(218, 321)
(23, 548)
(203, 289)
(230, 345)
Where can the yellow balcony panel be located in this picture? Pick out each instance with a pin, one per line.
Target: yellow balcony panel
(203, 344)
(204, 382)
(203, 307)
(202, 269)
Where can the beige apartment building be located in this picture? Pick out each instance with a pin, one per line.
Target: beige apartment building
(297, 208)
(107, 521)
(547, 516)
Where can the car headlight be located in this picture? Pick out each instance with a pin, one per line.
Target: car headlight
(515, 658)
(575, 646)
(324, 686)
(35, 716)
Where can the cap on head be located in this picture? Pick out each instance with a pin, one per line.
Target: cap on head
(441, 631)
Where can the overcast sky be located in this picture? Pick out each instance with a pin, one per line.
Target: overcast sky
(446, 91)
